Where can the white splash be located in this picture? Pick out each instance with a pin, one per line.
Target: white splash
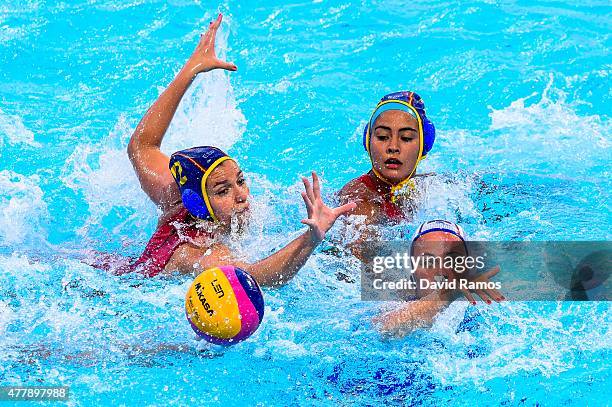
(6, 316)
(13, 131)
(23, 210)
(550, 133)
(518, 337)
(104, 174)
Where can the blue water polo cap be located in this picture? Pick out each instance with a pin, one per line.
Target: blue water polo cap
(190, 169)
(412, 104)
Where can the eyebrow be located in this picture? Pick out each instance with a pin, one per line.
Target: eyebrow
(226, 182)
(389, 128)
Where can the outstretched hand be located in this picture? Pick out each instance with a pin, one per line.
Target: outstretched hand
(320, 216)
(485, 294)
(204, 58)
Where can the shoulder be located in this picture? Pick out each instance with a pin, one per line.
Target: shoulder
(190, 258)
(368, 202)
(356, 190)
(170, 212)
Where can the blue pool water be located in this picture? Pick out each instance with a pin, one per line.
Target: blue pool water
(519, 92)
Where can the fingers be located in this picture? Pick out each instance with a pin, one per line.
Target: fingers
(208, 38)
(469, 296)
(309, 222)
(308, 188)
(344, 209)
(491, 272)
(214, 27)
(483, 294)
(316, 185)
(226, 65)
(205, 38)
(308, 204)
(495, 294)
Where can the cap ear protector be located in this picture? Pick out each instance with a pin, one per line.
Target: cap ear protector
(413, 100)
(190, 169)
(196, 206)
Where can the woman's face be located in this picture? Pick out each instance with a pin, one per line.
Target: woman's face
(228, 192)
(394, 145)
(436, 245)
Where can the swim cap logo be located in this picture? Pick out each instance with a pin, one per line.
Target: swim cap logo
(176, 168)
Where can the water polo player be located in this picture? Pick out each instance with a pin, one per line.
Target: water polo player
(397, 137)
(438, 239)
(201, 192)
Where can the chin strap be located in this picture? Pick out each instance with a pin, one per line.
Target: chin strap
(402, 188)
(405, 187)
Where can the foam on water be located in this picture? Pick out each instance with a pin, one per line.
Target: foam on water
(516, 338)
(540, 146)
(6, 316)
(23, 211)
(551, 132)
(447, 197)
(13, 131)
(104, 175)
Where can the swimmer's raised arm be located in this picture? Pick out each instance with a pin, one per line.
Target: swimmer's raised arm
(281, 266)
(150, 164)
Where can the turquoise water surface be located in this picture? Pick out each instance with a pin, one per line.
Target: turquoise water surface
(519, 92)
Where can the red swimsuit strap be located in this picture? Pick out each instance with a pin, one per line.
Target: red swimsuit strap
(384, 191)
(164, 242)
(374, 184)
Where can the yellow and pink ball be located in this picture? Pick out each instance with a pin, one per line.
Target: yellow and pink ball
(224, 305)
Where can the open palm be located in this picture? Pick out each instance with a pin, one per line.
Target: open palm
(204, 58)
(320, 216)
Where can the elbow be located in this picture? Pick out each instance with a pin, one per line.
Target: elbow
(132, 148)
(137, 141)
